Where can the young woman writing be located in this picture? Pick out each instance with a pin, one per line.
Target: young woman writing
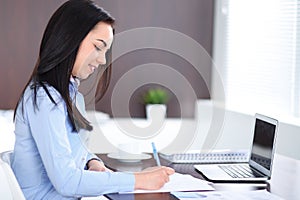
(50, 161)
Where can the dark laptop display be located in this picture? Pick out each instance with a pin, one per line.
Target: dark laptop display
(263, 144)
(260, 164)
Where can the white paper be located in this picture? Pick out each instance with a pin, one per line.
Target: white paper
(227, 195)
(95, 198)
(181, 182)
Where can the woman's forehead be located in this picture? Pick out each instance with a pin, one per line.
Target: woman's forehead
(102, 32)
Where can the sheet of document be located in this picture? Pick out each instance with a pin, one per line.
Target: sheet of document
(227, 195)
(181, 182)
(95, 198)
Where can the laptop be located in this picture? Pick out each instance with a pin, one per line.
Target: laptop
(259, 166)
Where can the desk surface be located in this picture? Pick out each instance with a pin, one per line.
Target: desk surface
(285, 181)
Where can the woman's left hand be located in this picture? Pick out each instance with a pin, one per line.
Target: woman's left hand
(95, 165)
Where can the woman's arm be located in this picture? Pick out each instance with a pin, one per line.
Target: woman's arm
(49, 126)
(96, 165)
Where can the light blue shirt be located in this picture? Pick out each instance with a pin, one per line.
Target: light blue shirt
(49, 158)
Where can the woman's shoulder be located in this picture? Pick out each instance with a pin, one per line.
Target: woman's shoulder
(40, 102)
(43, 94)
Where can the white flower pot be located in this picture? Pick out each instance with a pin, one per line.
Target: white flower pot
(156, 111)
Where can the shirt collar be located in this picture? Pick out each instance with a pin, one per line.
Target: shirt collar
(74, 80)
(73, 87)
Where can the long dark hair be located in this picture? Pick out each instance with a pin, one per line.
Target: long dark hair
(66, 29)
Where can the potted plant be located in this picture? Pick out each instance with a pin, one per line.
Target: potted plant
(155, 100)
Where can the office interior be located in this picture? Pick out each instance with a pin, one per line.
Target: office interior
(197, 20)
(194, 107)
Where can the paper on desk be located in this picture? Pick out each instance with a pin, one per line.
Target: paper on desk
(181, 182)
(227, 195)
(94, 198)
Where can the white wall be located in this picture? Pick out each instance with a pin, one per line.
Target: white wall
(7, 136)
(237, 132)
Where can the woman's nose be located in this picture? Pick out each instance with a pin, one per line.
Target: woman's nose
(101, 59)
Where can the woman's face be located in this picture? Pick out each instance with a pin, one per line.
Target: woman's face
(92, 50)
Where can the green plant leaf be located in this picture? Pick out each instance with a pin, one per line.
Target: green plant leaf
(156, 96)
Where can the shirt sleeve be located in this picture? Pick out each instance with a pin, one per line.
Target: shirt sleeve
(81, 106)
(49, 127)
(92, 156)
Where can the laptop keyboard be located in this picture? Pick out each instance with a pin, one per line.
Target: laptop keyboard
(212, 157)
(239, 171)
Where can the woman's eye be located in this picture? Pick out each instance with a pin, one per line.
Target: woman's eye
(97, 48)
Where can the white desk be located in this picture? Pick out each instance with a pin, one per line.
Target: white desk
(285, 180)
(180, 133)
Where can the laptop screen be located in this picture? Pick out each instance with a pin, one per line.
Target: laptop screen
(263, 142)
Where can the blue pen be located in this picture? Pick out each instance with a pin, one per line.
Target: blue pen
(155, 155)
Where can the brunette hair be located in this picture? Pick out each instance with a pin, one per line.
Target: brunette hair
(66, 29)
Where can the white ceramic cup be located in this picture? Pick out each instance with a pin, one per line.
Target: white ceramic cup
(128, 149)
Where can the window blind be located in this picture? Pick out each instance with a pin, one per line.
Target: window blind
(256, 48)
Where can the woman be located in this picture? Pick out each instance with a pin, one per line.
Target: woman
(49, 160)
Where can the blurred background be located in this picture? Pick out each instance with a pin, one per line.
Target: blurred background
(23, 22)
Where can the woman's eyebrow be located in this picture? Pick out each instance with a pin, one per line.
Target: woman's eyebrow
(102, 42)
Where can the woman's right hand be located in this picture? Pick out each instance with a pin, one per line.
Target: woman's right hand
(152, 179)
